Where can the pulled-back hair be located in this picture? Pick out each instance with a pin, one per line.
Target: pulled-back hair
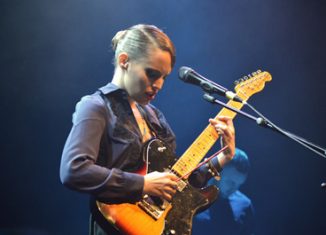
(138, 40)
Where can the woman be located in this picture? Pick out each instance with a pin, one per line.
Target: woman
(110, 127)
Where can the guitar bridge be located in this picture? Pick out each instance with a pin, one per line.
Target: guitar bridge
(154, 206)
(151, 207)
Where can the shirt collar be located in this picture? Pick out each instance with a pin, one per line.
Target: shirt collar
(110, 88)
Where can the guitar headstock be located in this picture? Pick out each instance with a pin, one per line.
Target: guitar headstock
(251, 84)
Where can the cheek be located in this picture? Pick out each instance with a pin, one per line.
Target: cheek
(136, 82)
(159, 83)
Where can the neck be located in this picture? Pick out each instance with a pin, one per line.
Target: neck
(119, 82)
(133, 104)
(118, 78)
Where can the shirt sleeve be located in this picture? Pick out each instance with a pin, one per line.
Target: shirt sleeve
(78, 169)
(203, 174)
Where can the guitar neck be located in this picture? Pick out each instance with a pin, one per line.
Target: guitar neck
(245, 87)
(199, 148)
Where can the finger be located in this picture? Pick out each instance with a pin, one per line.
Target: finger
(167, 196)
(219, 131)
(228, 129)
(224, 127)
(170, 190)
(172, 184)
(227, 139)
(220, 128)
(213, 121)
(226, 120)
(216, 122)
(227, 133)
(171, 176)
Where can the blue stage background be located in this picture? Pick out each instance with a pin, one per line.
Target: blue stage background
(54, 52)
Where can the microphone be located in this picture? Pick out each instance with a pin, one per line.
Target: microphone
(188, 75)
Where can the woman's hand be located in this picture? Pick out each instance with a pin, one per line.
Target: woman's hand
(224, 127)
(161, 184)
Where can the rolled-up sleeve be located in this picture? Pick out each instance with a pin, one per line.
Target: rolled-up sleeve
(78, 169)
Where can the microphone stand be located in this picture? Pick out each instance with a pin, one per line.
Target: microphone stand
(264, 122)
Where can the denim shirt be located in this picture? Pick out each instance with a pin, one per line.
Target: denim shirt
(103, 149)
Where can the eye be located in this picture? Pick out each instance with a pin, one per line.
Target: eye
(152, 73)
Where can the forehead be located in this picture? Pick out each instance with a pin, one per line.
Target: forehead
(159, 60)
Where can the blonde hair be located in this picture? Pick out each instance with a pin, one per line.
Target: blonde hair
(137, 40)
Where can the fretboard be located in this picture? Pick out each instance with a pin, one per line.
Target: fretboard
(199, 148)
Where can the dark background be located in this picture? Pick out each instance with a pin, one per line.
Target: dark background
(54, 52)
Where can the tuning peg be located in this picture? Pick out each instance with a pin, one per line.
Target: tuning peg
(247, 77)
(236, 82)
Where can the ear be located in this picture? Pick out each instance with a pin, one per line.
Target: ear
(123, 60)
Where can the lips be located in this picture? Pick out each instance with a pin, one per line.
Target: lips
(151, 95)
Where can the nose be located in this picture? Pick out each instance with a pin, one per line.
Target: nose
(154, 87)
(158, 84)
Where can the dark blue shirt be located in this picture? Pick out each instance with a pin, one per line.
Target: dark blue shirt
(103, 149)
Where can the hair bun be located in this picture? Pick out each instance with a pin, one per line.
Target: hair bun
(117, 38)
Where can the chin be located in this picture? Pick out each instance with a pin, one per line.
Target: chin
(144, 101)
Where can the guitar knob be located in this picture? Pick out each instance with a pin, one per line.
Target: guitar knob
(172, 231)
(161, 149)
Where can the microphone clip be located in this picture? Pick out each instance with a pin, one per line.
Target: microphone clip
(210, 88)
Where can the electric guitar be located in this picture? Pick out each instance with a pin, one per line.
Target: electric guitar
(155, 216)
